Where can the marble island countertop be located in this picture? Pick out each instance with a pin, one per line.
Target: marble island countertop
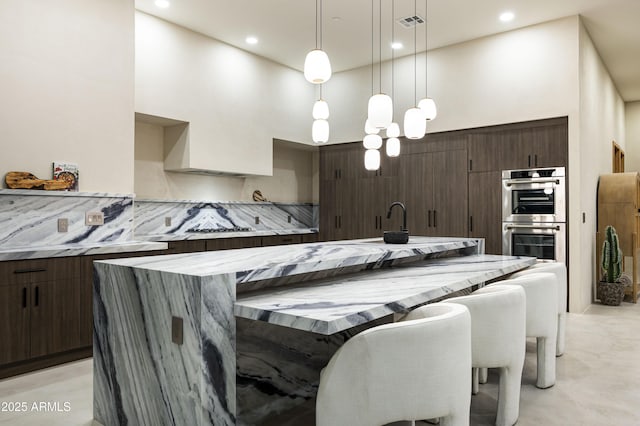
(262, 263)
(331, 305)
(78, 249)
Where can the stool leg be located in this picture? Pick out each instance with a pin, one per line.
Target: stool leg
(560, 337)
(546, 348)
(509, 395)
(483, 375)
(474, 380)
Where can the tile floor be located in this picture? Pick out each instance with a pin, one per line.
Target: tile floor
(598, 382)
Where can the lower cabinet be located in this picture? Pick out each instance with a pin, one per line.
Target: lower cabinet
(233, 243)
(485, 209)
(45, 311)
(277, 240)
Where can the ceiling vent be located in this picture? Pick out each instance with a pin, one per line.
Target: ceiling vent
(411, 21)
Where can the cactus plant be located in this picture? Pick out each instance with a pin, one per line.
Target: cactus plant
(611, 256)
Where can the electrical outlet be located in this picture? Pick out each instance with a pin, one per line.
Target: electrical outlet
(167, 221)
(94, 218)
(289, 219)
(63, 224)
(257, 220)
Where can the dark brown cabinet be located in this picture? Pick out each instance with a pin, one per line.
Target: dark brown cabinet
(45, 311)
(232, 243)
(277, 240)
(485, 209)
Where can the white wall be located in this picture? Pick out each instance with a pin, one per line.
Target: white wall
(632, 146)
(236, 102)
(293, 177)
(601, 122)
(66, 78)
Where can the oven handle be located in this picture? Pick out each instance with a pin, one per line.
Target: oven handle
(528, 182)
(514, 226)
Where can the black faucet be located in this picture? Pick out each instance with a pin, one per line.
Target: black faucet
(404, 214)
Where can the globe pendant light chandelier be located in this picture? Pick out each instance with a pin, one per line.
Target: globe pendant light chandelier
(317, 70)
(427, 105)
(380, 107)
(415, 120)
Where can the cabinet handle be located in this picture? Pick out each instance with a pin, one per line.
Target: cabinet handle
(529, 160)
(470, 164)
(24, 297)
(27, 271)
(429, 221)
(37, 296)
(287, 240)
(470, 223)
(435, 225)
(536, 160)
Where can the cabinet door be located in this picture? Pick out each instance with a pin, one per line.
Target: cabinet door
(233, 243)
(347, 210)
(277, 240)
(485, 209)
(484, 152)
(547, 145)
(450, 212)
(416, 186)
(14, 322)
(57, 323)
(514, 152)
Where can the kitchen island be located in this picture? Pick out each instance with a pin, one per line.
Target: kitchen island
(239, 336)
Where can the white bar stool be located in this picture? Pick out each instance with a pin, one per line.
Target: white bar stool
(498, 325)
(415, 369)
(560, 271)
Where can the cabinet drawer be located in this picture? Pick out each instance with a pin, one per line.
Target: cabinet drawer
(34, 270)
(233, 243)
(276, 240)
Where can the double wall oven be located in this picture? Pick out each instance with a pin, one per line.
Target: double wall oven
(534, 213)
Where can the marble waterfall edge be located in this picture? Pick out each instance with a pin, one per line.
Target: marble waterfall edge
(141, 376)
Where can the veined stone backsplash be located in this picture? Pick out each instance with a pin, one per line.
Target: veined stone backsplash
(29, 218)
(163, 217)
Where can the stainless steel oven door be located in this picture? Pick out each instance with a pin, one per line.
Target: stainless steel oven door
(534, 200)
(546, 241)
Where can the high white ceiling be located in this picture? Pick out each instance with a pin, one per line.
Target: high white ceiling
(286, 28)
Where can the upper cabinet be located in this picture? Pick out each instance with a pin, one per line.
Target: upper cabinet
(540, 143)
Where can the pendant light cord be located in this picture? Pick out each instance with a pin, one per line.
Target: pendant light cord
(380, 45)
(316, 34)
(393, 39)
(372, 80)
(320, 26)
(426, 48)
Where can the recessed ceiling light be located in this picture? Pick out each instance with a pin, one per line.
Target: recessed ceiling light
(507, 16)
(396, 45)
(251, 40)
(163, 4)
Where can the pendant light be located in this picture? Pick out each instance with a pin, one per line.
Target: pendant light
(320, 131)
(393, 131)
(427, 104)
(369, 129)
(317, 68)
(372, 142)
(380, 108)
(415, 121)
(320, 108)
(393, 147)
(372, 159)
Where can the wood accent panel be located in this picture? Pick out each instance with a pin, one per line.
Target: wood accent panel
(44, 362)
(233, 243)
(276, 240)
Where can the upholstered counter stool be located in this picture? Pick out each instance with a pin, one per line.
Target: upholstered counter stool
(498, 321)
(542, 318)
(415, 369)
(560, 271)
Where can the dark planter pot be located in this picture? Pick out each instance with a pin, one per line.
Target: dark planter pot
(610, 293)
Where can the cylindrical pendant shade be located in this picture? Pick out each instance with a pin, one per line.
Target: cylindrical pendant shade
(415, 123)
(429, 107)
(320, 131)
(380, 111)
(317, 68)
(393, 147)
(369, 129)
(372, 159)
(372, 142)
(320, 110)
(393, 131)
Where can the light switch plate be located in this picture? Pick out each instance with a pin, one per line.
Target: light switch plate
(94, 218)
(167, 221)
(63, 224)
